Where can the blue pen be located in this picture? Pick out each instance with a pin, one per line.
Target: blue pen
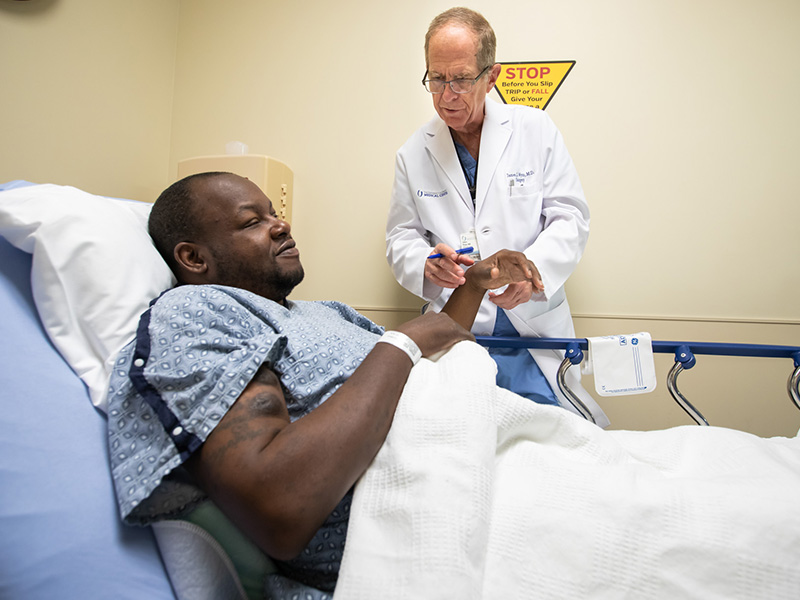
(466, 250)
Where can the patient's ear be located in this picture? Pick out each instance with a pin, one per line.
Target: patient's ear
(191, 261)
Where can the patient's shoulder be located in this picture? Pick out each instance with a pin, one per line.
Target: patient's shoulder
(350, 314)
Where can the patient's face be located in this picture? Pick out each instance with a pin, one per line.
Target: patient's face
(249, 247)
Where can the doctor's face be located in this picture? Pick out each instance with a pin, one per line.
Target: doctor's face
(452, 55)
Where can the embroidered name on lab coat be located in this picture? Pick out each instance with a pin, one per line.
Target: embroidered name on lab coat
(520, 178)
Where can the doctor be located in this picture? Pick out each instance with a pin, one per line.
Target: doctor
(489, 176)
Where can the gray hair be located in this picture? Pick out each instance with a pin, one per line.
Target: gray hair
(475, 22)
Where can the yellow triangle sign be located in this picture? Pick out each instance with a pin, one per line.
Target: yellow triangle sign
(531, 83)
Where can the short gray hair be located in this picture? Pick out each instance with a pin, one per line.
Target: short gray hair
(475, 22)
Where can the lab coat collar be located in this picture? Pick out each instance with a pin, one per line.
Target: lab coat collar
(440, 145)
(495, 134)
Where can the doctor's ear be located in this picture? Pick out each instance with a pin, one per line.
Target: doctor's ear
(494, 73)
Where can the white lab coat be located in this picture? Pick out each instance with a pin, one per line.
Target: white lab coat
(528, 198)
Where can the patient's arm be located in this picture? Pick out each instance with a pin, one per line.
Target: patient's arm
(502, 268)
(279, 480)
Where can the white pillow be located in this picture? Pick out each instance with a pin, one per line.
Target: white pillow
(94, 271)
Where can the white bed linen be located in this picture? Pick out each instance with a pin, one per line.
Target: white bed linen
(478, 493)
(94, 271)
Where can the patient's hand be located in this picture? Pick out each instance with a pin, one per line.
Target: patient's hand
(506, 267)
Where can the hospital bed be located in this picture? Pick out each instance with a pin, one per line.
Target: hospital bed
(58, 518)
(59, 522)
(75, 272)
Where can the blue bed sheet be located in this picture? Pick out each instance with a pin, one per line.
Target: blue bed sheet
(62, 537)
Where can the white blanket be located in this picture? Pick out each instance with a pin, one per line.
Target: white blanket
(478, 493)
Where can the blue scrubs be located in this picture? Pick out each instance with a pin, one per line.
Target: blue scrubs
(516, 369)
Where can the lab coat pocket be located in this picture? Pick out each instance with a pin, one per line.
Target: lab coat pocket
(524, 208)
(540, 320)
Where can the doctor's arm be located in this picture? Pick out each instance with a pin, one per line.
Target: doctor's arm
(557, 251)
(408, 244)
(559, 247)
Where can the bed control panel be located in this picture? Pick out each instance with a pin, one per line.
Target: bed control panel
(272, 176)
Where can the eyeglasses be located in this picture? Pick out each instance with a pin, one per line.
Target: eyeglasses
(459, 86)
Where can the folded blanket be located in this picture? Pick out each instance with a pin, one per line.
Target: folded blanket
(479, 493)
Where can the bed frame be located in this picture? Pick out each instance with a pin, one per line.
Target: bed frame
(685, 358)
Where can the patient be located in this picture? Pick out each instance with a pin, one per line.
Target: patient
(208, 399)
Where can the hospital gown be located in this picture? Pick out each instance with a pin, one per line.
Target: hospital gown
(196, 350)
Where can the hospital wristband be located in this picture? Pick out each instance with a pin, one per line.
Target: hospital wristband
(405, 343)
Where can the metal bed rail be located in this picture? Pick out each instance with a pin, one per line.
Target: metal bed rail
(684, 353)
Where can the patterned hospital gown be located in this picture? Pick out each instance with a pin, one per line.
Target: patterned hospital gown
(196, 350)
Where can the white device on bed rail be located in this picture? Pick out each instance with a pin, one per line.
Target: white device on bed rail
(272, 176)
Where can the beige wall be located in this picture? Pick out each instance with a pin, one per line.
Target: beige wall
(679, 115)
(86, 93)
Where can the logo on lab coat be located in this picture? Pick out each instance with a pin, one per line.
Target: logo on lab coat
(424, 194)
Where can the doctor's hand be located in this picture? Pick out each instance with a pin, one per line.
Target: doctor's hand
(511, 268)
(446, 271)
(514, 295)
